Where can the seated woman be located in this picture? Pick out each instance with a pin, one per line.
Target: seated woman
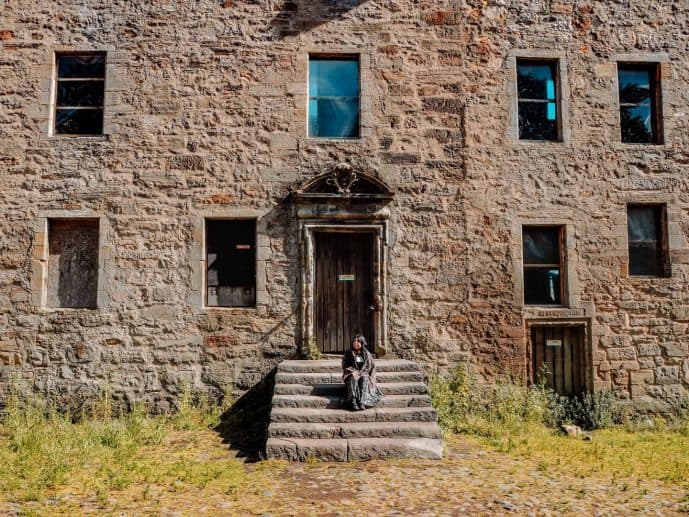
(359, 376)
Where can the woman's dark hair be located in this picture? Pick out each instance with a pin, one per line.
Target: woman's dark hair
(361, 339)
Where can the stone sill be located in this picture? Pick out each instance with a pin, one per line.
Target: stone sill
(213, 308)
(621, 146)
(652, 279)
(327, 140)
(76, 138)
(69, 309)
(555, 312)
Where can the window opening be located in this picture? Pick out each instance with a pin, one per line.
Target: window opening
(80, 93)
(542, 248)
(639, 103)
(72, 263)
(647, 237)
(537, 93)
(334, 97)
(231, 263)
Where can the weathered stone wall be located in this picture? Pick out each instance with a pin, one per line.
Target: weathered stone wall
(206, 115)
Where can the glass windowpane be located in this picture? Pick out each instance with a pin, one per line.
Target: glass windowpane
(536, 80)
(537, 121)
(542, 286)
(334, 78)
(81, 66)
(636, 124)
(644, 259)
(80, 93)
(642, 223)
(541, 245)
(338, 118)
(79, 121)
(635, 85)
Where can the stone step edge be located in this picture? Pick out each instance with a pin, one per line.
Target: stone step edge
(336, 377)
(321, 431)
(354, 449)
(390, 365)
(406, 414)
(339, 399)
(418, 388)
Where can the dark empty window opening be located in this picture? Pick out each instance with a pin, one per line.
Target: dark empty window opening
(543, 264)
(80, 91)
(72, 263)
(334, 97)
(559, 358)
(647, 236)
(640, 103)
(231, 263)
(538, 100)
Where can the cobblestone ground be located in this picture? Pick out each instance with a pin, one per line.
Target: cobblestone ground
(470, 480)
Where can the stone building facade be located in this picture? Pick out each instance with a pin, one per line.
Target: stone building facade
(205, 117)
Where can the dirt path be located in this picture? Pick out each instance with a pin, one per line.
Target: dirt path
(471, 480)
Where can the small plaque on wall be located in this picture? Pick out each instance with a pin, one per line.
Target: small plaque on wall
(345, 278)
(553, 342)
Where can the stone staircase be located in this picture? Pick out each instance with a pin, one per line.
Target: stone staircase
(309, 417)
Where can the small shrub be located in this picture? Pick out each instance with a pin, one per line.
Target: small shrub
(594, 410)
(312, 352)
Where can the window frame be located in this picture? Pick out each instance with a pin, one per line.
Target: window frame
(333, 56)
(204, 294)
(656, 94)
(558, 81)
(561, 266)
(56, 89)
(662, 241)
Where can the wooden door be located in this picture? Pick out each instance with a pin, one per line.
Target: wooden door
(562, 350)
(343, 289)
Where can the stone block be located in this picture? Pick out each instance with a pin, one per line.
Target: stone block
(667, 375)
(621, 354)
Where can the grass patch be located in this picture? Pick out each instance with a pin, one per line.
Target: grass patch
(524, 422)
(50, 457)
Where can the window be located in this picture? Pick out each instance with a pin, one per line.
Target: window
(231, 263)
(640, 104)
(72, 263)
(647, 236)
(537, 94)
(334, 97)
(79, 95)
(543, 264)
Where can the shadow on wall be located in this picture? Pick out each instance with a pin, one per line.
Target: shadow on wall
(245, 425)
(298, 16)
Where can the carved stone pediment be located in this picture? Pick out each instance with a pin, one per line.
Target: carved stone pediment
(346, 183)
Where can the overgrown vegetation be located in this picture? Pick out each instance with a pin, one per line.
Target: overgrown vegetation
(525, 421)
(44, 451)
(465, 406)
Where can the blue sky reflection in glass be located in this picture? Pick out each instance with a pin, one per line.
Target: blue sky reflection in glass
(635, 96)
(334, 98)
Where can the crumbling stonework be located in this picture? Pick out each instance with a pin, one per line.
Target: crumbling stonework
(205, 115)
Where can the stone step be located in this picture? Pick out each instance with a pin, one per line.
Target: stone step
(389, 388)
(336, 377)
(325, 366)
(355, 430)
(407, 414)
(354, 449)
(337, 401)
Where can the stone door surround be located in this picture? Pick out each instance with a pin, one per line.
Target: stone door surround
(346, 201)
